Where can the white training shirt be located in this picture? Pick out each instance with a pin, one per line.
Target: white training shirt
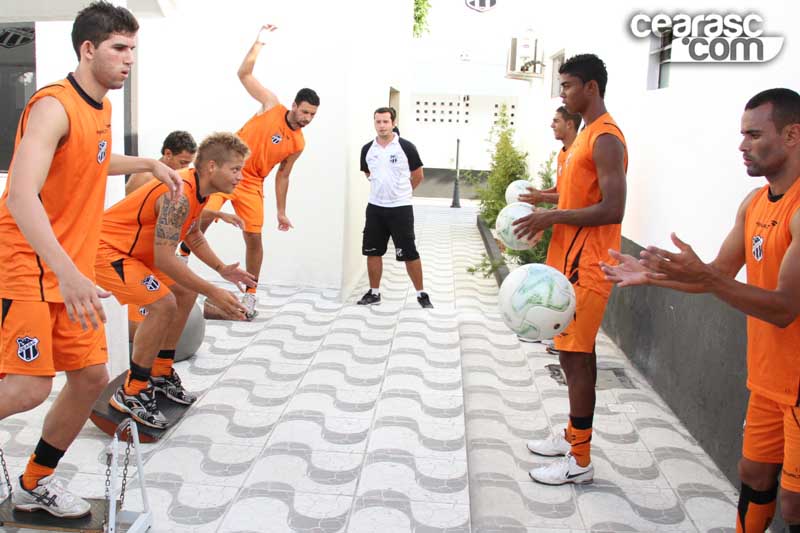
(390, 169)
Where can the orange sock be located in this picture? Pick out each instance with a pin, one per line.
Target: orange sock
(161, 367)
(34, 472)
(251, 290)
(581, 442)
(135, 386)
(756, 509)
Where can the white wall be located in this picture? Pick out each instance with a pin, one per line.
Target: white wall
(685, 171)
(438, 119)
(187, 80)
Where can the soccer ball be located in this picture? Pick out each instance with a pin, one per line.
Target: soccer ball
(536, 301)
(515, 188)
(504, 225)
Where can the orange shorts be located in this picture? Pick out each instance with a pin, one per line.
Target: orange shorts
(136, 313)
(772, 435)
(581, 333)
(39, 339)
(130, 280)
(248, 202)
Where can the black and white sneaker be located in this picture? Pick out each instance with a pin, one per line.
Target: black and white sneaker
(49, 495)
(370, 299)
(425, 301)
(142, 407)
(171, 387)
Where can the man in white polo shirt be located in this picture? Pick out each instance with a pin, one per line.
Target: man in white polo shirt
(393, 166)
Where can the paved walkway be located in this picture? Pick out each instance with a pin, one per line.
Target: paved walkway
(323, 416)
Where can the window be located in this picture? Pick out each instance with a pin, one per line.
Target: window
(660, 55)
(17, 82)
(555, 84)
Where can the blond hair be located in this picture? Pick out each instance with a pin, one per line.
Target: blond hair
(219, 146)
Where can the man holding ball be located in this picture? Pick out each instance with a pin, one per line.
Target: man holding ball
(586, 223)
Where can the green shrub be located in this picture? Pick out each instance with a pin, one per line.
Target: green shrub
(508, 164)
(421, 8)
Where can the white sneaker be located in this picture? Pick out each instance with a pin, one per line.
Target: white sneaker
(52, 496)
(551, 447)
(565, 470)
(249, 301)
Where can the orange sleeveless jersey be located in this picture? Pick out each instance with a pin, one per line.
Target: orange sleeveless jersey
(73, 195)
(577, 250)
(270, 140)
(562, 158)
(773, 362)
(129, 225)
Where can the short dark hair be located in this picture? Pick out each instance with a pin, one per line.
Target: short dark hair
(219, 147)
(785, 106)
(306, 95)
(97, 21)
(179, 141)
(587, 67)
(575, 118)
(390, 110)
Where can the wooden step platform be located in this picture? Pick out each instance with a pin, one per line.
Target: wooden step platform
(107, 418)
(94, 522)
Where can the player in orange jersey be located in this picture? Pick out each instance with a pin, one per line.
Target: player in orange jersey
(565, 126)
(275, 137)
(136, 262)
(50, 212)
(586, 223)
(177, 152)
(765, 238)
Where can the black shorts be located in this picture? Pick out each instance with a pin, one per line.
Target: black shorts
(394, 222)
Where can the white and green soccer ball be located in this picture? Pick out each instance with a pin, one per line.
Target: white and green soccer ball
(515, 188)
(536, 301)
(504, 225)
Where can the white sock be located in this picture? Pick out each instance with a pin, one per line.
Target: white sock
(419, 294)
(376, 292)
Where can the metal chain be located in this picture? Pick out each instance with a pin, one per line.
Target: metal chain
(125, 469)
(5, 472)
(109, 457)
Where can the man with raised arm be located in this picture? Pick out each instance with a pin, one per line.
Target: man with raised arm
(275, 137)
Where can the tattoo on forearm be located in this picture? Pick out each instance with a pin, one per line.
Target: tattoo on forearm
(171, 216)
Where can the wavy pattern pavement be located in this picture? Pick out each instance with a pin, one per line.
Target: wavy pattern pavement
(323, 416)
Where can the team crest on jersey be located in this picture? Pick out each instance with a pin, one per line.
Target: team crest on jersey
(276, 138)
(393, 158)
(27, 348)
(101, 151)
(151, 283)
(758, 247)
(143, 310)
